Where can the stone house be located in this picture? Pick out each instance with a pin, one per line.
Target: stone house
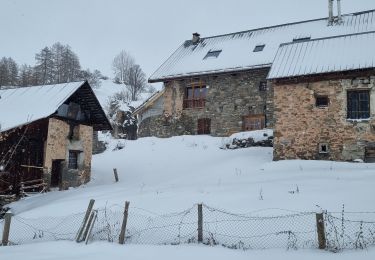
(218, 85)
(46, 135)
(324, 96)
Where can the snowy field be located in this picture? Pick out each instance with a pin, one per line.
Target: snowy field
(171, 175)
(99, 251)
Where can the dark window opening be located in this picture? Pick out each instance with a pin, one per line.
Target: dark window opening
(301, 39)
(73, 159)
(263, 86)
(204, 126)
(321, 101)
(323, 148)
(358, 104)
(259, 48)
(212, 54)
(195, 96)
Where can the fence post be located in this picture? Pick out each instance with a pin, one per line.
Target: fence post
(115, 173)
(7, 220)
(124, 222)
(320, 230)
(200, 223)
(85, 219)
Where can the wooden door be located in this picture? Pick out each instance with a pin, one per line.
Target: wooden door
(253, 122)
(56, 173)
(204, 126)
(370, 155)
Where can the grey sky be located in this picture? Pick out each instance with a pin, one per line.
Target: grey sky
(150, 30)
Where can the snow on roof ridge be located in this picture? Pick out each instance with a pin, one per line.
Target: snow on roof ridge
(20, 106)
(237, 48)
(283, 24)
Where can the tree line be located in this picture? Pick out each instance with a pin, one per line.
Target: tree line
(53, 65)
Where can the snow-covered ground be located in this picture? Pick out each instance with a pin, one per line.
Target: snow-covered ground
(170, 175)
(99, 251)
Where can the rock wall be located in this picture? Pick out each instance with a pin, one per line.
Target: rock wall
(57, 147)
(301, 126)
(229, 98)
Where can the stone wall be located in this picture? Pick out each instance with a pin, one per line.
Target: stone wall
(57, 147)
(229, 98)
(300, 126)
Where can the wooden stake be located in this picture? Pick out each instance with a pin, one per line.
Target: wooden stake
(200, 223)
(115, 173)
(124, 222)
(7, 220)
(320, 230)
(84, 222)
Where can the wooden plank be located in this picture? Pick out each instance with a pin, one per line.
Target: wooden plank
(124, 223)
(7, 220)
(85, 219)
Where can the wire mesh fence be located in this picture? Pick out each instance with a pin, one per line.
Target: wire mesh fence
(213, 227)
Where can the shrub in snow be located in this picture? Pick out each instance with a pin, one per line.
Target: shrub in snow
(120, 114)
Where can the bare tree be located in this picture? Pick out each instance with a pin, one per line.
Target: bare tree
(129, 73)
(121, 65)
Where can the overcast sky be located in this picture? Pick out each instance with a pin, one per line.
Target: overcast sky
(148, 29)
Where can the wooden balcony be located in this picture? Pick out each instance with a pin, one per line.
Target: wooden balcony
(194, 103)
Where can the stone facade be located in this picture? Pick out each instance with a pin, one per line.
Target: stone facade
(229, 98)
(301, 127)
(57, 147)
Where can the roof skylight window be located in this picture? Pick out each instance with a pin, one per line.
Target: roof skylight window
(259, 48)
(302, 39)
(212, 54)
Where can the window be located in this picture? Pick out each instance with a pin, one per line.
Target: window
(212, 54)
(253, 122)
(259, 48)
(73, 159)
(301, 39)
(358, 104)
(323, 148)
(204, 126)
(321, 101)
(195, 96)
(263, 86)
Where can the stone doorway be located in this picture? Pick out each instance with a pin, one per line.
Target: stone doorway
(56, 173)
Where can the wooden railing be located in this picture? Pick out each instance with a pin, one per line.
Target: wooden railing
(194, 103)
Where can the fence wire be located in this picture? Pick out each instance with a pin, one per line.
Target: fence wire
(290, 230)
(24, 231)
(349, 230)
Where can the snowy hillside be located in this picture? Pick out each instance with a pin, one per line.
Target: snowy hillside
(168, 175)
(160, 176)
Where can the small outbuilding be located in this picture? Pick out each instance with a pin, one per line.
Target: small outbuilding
(46, 136)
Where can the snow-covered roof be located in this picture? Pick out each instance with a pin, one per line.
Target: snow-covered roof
(148, 102)
(333, 54)
(20, 106)
(235, 51)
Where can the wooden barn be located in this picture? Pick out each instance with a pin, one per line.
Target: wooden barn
(46, 136)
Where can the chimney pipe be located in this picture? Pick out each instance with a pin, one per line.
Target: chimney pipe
(339, 18)
(196, 38)
(330, 12)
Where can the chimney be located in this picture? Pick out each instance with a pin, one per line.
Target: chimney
(339, 18)
(330, 12)
(196, 38)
